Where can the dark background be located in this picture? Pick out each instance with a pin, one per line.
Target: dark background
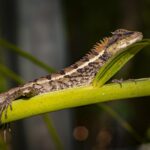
(59, 32)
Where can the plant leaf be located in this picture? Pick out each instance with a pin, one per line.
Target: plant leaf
(26, 55)
(121, 121)
(114, 64)
(9, 73)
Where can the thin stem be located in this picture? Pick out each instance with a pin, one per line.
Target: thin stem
(52, 131)
(7, 72)
(122, 122)
(24, 54)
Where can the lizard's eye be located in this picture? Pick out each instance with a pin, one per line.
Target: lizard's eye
(128, 33)
(121, 32)
(113, 39)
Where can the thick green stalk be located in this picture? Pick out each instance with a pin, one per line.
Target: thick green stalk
(76, 97)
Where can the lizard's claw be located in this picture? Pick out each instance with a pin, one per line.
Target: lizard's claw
(5, 102)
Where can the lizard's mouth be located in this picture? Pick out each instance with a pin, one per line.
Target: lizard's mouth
(133, 38)
(138, 36)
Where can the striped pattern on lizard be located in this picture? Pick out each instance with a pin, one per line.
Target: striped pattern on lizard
(79, 74)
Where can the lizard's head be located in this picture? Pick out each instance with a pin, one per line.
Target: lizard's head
(122, 38)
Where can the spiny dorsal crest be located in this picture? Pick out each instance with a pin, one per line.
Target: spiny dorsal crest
(100, 45)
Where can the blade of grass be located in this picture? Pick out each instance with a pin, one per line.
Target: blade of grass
(24, 54)
(3, 145)
(53, 132)
(3, 82)
(7, 72)
(122, 122)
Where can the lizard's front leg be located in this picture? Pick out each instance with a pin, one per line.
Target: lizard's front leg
(27, 90)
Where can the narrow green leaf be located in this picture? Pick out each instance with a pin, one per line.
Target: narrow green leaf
(24, 54)
(114, 64)
(53, 132)
(7, 72)
(122, 122)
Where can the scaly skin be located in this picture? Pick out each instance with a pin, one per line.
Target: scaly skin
(80, 73)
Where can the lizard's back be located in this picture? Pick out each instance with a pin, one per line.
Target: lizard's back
(79, 74)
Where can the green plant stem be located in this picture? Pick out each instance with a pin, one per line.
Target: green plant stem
(122, 122)
(73, 97)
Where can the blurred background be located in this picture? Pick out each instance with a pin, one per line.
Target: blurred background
(59, 32)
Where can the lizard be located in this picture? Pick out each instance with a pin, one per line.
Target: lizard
(80, 73)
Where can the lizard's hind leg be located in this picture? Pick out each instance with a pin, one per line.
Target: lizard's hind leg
(4, 106)
(5, 102)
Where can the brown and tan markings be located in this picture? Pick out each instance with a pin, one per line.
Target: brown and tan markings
(79, 74)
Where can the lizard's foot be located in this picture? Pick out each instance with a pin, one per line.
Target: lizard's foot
(4, 106)
(119, 81)
(132, 80)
